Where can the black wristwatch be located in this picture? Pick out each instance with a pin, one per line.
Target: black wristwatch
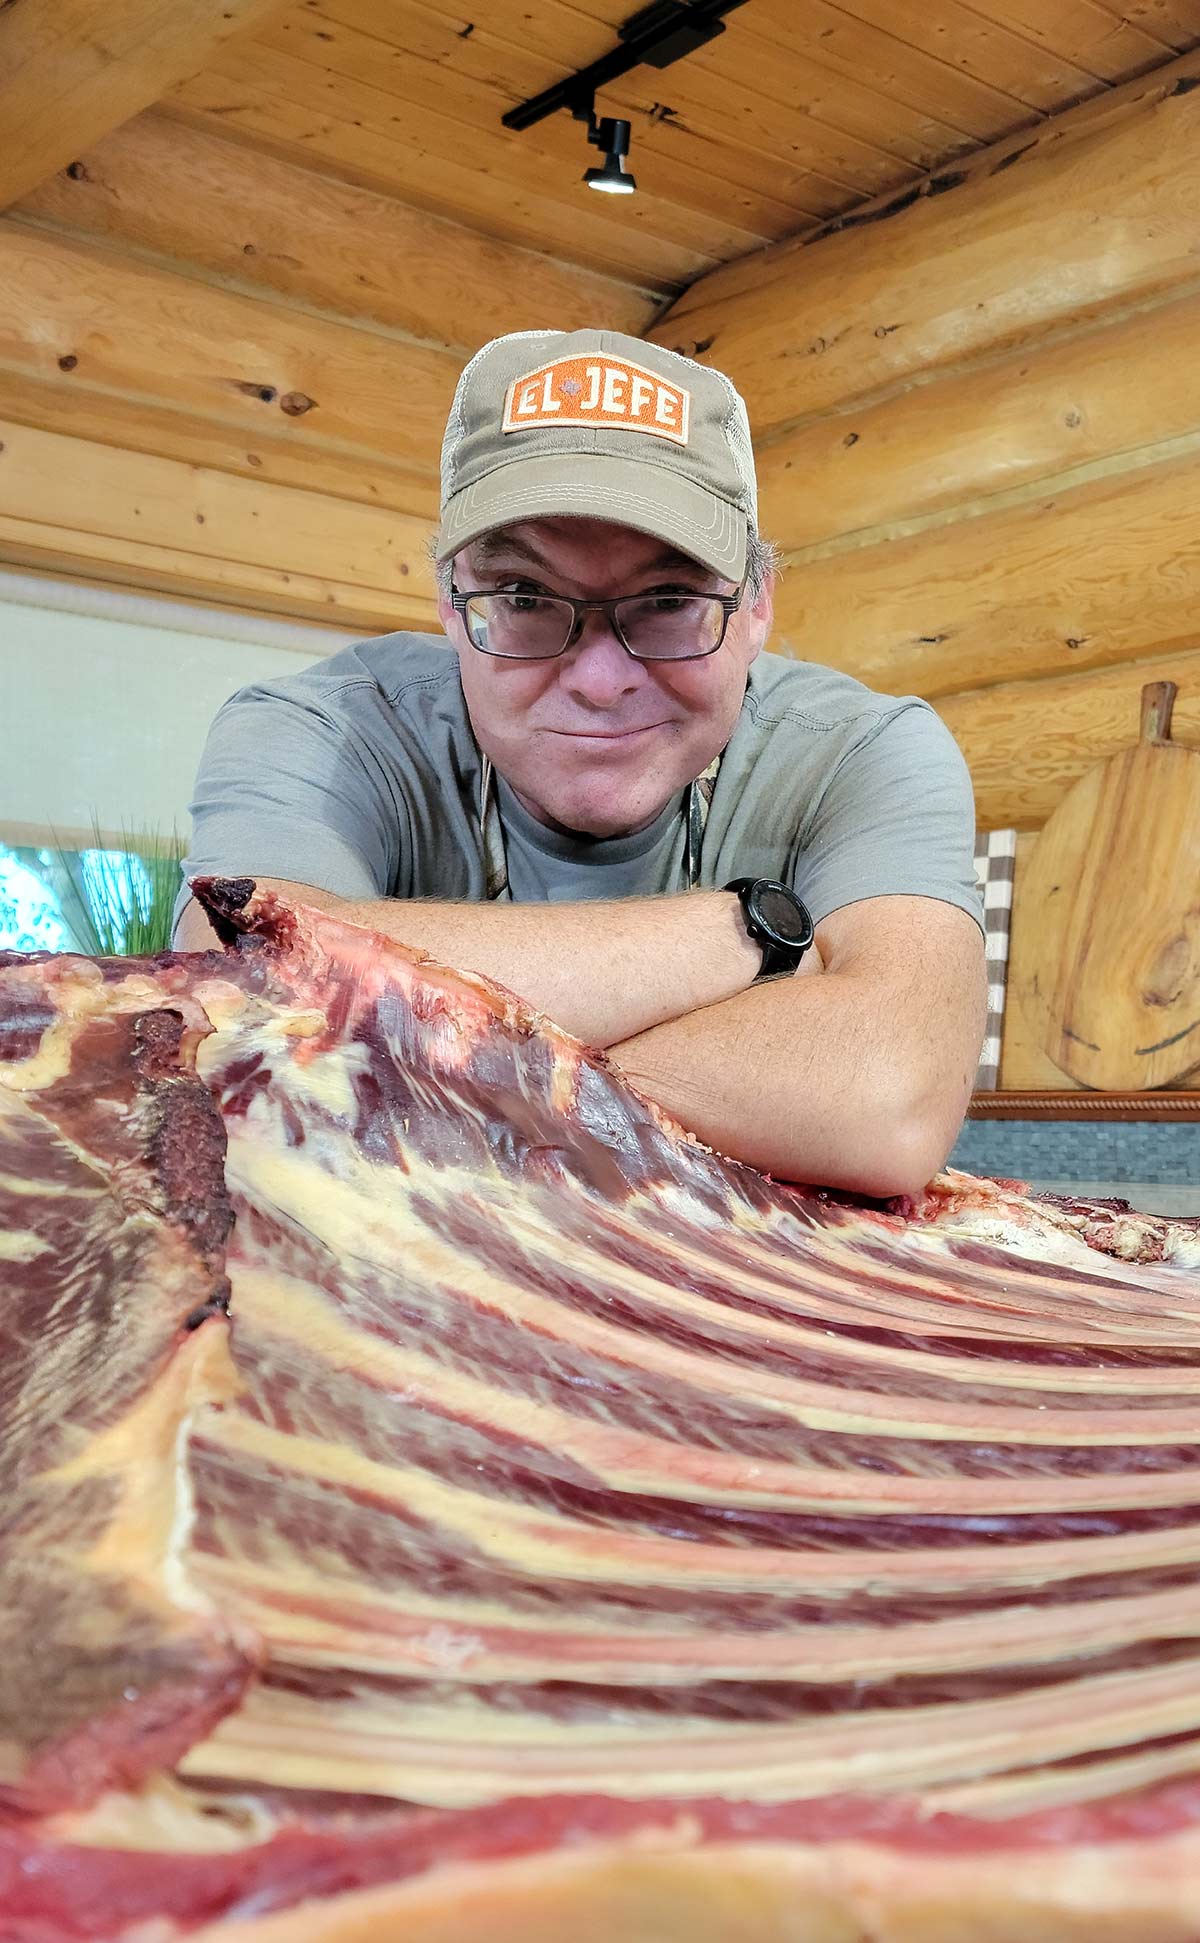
(776, 919)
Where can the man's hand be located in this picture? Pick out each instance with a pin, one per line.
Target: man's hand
(603, 971)
(858, 1079)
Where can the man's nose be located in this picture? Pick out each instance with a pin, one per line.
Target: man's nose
(596, 667)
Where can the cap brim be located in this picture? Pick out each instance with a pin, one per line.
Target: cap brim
(593, 485)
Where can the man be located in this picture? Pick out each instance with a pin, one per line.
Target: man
(559, 794)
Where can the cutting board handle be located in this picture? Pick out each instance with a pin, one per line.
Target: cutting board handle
(1158, 699)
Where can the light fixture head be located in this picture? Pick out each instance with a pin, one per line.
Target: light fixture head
(614, 179)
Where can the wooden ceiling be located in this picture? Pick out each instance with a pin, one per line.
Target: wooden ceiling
(249, 243)
(799, 111)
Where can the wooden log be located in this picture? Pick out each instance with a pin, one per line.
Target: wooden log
(179, 193)
(1058, 583)
(59, 405)
(481, 177)
(260, 124)
(74, 484)
(1006, 423)
(1026, 742)
(1087, 215)
(72, 69)
(43, 587)
(69, 505)
(99, 560)
(115, 323)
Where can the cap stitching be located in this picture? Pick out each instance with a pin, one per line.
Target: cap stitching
(466, 499)
(722, 538)
(463, 500)
(667, 458)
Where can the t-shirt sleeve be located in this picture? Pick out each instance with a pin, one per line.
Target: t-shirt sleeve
(285, 790)
(896, 819)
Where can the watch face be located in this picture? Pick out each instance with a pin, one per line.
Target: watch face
(782, 915)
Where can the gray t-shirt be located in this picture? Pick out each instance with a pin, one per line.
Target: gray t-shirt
(360, 775)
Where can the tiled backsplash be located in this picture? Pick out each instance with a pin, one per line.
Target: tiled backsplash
(1083, 1150)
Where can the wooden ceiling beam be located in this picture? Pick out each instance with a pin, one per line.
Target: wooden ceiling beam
(178, 193)
(461, 125)
(261, 118)
(70, 70)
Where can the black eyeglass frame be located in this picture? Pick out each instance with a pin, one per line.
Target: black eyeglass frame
(728, 602)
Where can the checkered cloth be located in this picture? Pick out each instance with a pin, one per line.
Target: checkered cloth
(995, 864)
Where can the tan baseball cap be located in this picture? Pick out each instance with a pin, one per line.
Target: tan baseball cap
(603, 426)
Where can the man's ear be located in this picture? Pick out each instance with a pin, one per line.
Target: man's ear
(764, 603)
(760, 616)
(444, 607)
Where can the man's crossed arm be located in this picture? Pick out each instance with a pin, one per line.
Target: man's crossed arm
(857, 1077)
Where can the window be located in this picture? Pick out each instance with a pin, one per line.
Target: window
(30, 914)
(96, 900)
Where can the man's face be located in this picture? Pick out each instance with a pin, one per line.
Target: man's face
(595, 741)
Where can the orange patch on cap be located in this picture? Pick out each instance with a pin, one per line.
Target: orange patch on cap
(599, 390)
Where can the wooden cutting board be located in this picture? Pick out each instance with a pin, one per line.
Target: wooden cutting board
(1111, 897)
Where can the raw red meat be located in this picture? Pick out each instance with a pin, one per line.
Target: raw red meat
(572, 1534)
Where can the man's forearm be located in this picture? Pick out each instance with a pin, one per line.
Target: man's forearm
(603, 971)
(803, 1078)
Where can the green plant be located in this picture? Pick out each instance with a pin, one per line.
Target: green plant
(120, 902)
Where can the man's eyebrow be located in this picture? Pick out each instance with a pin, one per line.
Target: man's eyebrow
(672, 561)
(491, 548)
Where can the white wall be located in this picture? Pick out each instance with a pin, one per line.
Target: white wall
(106, 697)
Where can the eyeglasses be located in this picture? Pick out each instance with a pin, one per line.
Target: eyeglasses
(651, 627)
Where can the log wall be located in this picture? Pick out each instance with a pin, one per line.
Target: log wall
(226, 377)
(977, 407)
(977, 413)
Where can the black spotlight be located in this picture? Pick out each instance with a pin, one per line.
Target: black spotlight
(613, 137)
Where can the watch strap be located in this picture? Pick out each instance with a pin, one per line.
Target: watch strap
(778, 959)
